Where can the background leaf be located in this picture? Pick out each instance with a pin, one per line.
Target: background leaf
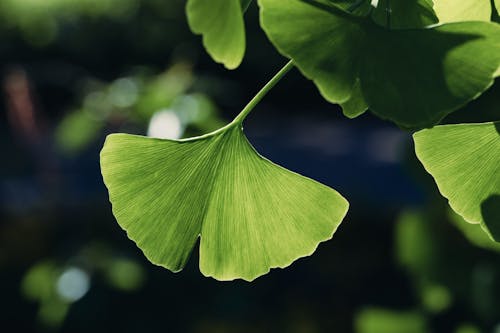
(222, 26)
(465, 163)
(251, 214)
(378, 320)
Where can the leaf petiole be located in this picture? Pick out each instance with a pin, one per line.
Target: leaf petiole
(245, 4)
(250, 106)
(263, 92)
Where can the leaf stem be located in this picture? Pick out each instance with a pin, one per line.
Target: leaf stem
(388, 12)
(249, 107)
(263, 92)
(245, 4)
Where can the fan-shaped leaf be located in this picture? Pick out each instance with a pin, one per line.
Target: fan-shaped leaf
(222, 26)
(412, 77)
(250, 214)
(465, 163)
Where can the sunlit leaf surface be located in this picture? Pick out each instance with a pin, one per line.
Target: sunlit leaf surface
(222, 26)
(412, 77)
(465, 163)
(250, 214)
(462, 10)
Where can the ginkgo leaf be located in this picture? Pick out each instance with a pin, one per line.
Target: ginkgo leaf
(222, 26)
(464, 160)
(463, 10)
(250, 214)
(356, 104)
(413, 77)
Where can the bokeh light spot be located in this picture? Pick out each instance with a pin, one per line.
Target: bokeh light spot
(73, 284)
(165, 124)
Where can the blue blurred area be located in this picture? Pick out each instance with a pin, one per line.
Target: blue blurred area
(362, 158)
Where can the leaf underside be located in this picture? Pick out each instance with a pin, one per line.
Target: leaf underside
(250, 214)
(413, 77)
(404, 14)
(222, 26)
(465, 163)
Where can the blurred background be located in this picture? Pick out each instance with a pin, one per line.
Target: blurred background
(72, 72)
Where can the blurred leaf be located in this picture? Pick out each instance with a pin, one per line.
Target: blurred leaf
(463, 10)
(415, 250)
(465, 162)
(38, 283)
(412, 77)
(125, 274)
(251, 214)
(76, 131)
(40, 21)
(436, 298)
(53, 313)
(467, 328)
(387, 321)
(222, 26)
(160, 92)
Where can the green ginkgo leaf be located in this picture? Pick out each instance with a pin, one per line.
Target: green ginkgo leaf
(222, 26)
(462, 10)
(413, 77)
(250, 214)
(464, 160)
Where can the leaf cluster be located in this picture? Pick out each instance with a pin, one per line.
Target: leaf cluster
(409, 62)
